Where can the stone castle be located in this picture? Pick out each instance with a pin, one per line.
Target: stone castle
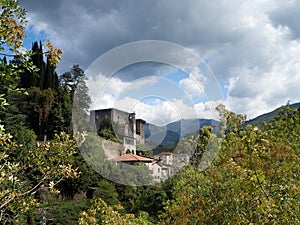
(127, 128)
(130, 131)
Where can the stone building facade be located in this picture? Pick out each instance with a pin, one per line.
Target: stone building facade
(127, 128)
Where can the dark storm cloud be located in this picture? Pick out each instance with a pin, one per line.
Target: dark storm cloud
(288, 15)
(246, 43)
(87, 29)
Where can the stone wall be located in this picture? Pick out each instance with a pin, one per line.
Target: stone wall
(112, 149)
(140, 139)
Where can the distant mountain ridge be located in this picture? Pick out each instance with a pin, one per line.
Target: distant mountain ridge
(168, 135)
(267, 117)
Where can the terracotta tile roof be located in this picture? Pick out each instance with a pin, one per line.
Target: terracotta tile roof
(180, 154)
(132, 158)
(165, 153)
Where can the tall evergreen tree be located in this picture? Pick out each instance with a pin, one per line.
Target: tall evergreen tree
(72, 78)
(51, 78)
(37, 106)
(81, 105)
(3, 66)
(5, 60)
(38, 61)
(49, 75)
(10, 116)
(61, 113)
(30, 79)
(73, 81)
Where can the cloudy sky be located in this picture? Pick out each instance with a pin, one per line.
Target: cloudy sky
(245, 54)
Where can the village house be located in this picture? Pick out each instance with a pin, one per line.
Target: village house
(170, 158)
(170, 162)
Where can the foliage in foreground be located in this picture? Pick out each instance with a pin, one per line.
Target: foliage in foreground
(254, 180)
(24, 166)
(101, 213)
(23, 173)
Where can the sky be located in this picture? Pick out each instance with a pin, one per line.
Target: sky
(168, 60)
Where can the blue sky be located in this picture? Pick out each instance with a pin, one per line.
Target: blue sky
(251, 52)
(32, 36)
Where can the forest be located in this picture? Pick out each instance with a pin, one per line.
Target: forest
(44, 179)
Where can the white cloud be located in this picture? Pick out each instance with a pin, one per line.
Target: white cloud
(194, 84)
(207, 109)
(103, 90)
(139, 83)
(254, 91)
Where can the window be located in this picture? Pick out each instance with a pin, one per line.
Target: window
(129, 141)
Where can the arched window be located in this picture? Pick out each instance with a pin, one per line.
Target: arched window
(127, 151)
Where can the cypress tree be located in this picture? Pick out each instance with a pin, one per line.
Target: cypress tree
(41, 65)
(61, 113)
(51, 78)
(48, 77)
(55, 81)
(3, 68)
(33, 79)
(4, 60)
(29, 79)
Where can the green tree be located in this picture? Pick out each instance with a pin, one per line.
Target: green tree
(12, 19)
(60, 115)
(253, 179)
(12, 22)
(107, 130)
(107, 191)
(81, 104)
(144, 149)
(29, 79)
(11, 115)
(74, 82)
(22, 175)
(45, 77)
(51, 78)
(101, 213)
(87, 178)
(200, 145)
(150, 199)
(72, 79)
(65, 213)
(37, 106)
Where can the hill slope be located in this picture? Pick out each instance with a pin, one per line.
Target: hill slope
(267, 117)
(169, 134)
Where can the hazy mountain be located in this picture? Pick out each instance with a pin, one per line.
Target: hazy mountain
(172, 132)
(169, 134)
(190, 126)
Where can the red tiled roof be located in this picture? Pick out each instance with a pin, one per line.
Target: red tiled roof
(165, 153)
(132, 158)
(180, 154)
